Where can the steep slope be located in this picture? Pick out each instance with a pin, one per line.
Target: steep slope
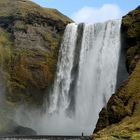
(29, 44)
(121, 118)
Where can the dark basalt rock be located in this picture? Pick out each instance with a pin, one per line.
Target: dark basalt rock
(103, 121)
(21, 131)
(11, 128)
(24, 131)
(131, 33)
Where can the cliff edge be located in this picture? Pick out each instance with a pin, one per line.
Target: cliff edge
(120, 119)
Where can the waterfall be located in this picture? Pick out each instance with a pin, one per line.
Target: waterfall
(85, 79)
(60, 96)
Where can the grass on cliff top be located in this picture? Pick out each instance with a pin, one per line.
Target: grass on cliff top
(55, 14)
(24, 7)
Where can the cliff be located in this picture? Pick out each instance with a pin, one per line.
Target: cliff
(29, 42)
(120, 119)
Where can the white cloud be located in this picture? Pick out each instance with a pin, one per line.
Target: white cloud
(94, 14)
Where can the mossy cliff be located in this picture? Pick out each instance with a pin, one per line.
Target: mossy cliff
(29, 42)
(120, 119)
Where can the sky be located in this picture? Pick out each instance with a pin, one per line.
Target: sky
(91, 11)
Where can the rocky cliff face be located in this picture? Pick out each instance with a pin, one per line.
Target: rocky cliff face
(29, 44)
(120, 119)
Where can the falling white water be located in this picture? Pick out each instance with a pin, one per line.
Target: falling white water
(60, 98)
(95, 80)
(85, 79)
(98, 71)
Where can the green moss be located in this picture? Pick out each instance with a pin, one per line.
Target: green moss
(27, 76)
(132, 57)
(5, 40)
(24, 75)
(29, 69)
(56, 15)
(5, 51)
(136, 136)
(134, 30)
(128, 98)
(131, 31)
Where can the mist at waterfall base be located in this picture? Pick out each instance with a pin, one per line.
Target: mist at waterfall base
(85, 80)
